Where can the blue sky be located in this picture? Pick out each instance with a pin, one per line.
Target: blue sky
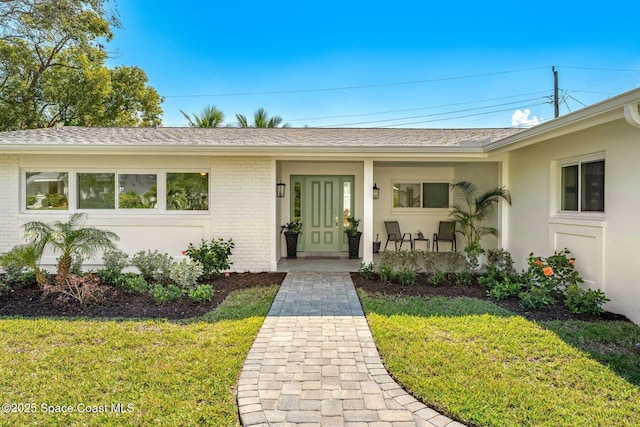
(419, 64)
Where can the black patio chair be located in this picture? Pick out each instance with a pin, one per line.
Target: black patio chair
(446, 233)
(394, 235)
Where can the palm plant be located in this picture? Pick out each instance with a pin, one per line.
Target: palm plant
(68, 239)
(210, 117)
(261, 120)
(471, 209)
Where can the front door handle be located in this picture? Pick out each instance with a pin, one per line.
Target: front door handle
(337, 219)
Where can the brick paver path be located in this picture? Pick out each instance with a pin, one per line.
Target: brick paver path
(314, 363)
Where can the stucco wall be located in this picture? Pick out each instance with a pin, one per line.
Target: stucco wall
(9, 190)
(411, 220)
(605, 248)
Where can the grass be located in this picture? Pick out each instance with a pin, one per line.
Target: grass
(164, 373)
(484, 366)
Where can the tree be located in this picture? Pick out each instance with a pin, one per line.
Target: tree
(68, 239)
(52, 68)
(210, 117)
(261, 120)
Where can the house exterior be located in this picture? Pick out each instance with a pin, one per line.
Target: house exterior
(164, 188)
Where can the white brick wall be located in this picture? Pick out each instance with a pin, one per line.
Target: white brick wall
(241, 208)
(9, 201)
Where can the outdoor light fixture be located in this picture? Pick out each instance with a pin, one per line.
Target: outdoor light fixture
(376, 192)
(280, 187)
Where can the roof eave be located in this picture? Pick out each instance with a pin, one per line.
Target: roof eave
(594, 115)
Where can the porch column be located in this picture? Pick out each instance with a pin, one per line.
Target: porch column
(367, 217)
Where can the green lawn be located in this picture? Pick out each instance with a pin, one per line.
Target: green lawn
(481, 365)
(163, 373)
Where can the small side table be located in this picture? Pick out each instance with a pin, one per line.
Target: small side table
(427, 242)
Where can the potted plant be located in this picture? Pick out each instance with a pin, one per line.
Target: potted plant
(353, 236)
(291, 231)
(469, 213)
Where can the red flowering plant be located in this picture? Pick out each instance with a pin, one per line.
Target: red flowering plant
(554, 273)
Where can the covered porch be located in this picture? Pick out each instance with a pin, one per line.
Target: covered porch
(414, 192)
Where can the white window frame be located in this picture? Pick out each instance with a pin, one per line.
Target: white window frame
(72, 198)
(557, 190)
(421, 183)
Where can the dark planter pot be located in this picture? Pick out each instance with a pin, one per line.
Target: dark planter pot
(354, 245)
(292, 244)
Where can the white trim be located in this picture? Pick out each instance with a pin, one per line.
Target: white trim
(556, 190)
(632, 114)
(72, 199)
(367, 229)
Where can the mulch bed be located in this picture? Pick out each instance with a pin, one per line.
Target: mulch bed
(28, 302)
(423, 288)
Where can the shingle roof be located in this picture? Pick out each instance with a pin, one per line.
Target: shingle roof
(252, 137)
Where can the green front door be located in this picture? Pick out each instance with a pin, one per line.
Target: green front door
(322, 204)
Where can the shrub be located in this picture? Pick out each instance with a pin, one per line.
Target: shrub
(13, 266)
(455, 261)
(407, 276)
(429, 261)
(387, 274)
(114, 262)
(536, 297)
(201, 293)
(84, 289)
(555, 272)
(367, 271)
(437, 278)
(154, 266)
(115, 259)
(579, 301)
(506, 288)
(132, 283)
(163, 294)
(185, 273)
(214, 256)
(501, 260)
(464, 278)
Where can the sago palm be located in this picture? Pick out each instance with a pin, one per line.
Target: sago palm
(68, 239)
(472, 207)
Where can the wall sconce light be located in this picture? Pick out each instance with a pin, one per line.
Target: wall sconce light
(376, 192)
(280, 187)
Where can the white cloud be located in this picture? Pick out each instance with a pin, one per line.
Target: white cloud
(524, 119)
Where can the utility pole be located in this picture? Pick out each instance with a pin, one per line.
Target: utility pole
(556, 101)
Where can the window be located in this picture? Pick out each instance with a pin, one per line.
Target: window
(96, 190)
(112, 190)
(430, 195)
(47, 190)
(582, 187)
(435, 195)
(188, 191)
(137, 191)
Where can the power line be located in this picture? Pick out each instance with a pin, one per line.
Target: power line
(453, 118)
(415, 109)
(520, 102)
(281, 92)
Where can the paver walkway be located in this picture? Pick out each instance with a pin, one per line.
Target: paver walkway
(314, 363)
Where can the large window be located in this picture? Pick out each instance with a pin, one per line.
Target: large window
(112, 190)
(96, 190)
(137, 191)
(582, 187)
(47, 190)
(188, 191)
(431, 195)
